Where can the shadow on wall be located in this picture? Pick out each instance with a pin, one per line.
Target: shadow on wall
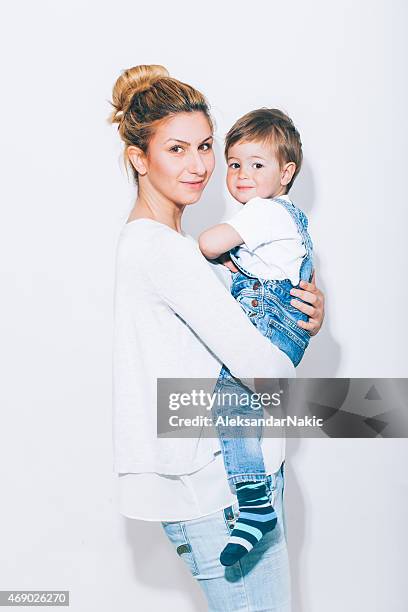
(296, 520)
(323, 356)
(321, 360)
(159, 569)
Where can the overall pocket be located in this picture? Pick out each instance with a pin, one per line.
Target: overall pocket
(247, 304)
(177, 534)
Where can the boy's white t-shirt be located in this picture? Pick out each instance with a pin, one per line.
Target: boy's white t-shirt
(273, 247)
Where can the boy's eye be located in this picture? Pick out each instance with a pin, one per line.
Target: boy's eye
(234, 165)
(258, 165)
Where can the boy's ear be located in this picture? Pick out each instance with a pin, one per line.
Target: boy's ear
(137, 158)
(287, 173)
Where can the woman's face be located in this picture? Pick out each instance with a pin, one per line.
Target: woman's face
(180, 157)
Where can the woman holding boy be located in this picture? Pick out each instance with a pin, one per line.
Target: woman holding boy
(174, 319)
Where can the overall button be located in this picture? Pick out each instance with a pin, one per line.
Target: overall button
(254, 303)
(256, 285)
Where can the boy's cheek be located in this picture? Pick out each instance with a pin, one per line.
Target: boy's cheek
(230, 181)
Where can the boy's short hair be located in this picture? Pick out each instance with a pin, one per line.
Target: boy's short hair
(272, 126)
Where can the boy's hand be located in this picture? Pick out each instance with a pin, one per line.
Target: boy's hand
(226, 261)
(315, 307)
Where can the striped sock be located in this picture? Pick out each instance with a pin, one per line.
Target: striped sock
(256, 518)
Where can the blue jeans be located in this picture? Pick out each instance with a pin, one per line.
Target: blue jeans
(260, 581)
(240, 445)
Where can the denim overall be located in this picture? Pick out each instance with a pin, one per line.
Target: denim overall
(267, 304)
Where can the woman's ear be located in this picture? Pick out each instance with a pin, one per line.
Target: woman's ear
(138, 159)
(287, 173)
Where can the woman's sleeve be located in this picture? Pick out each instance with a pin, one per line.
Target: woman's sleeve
(184, 280)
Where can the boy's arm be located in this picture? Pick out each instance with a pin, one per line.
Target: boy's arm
(218, 240)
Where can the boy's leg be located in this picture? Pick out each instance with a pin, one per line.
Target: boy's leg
(240, 444)
(244, 464)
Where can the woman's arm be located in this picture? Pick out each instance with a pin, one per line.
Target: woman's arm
(218, 240)
(314, 308)
(185, 282)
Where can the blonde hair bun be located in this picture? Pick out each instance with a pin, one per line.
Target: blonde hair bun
(132, 81)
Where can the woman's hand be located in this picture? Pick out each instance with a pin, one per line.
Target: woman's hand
(314, 308)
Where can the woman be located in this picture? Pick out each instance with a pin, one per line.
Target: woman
(174, 319)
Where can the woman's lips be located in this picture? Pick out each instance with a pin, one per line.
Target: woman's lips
(194, 184)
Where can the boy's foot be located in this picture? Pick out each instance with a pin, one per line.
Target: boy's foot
(256, 518)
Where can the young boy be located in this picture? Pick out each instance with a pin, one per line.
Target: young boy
(267, 246)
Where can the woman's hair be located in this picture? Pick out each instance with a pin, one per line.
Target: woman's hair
(270, 126)
(145, 95)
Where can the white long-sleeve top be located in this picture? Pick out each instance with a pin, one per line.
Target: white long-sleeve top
(155, 497)
(174, 318)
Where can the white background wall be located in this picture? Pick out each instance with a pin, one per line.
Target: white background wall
(339, 70)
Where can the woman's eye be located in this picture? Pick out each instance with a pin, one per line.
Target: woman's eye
(206, 144)
(176, 147)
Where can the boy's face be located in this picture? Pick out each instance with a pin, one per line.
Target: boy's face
(253, 170)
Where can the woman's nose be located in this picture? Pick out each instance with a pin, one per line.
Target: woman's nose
(196, 164)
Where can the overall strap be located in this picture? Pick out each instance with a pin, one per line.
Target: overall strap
(299, 217)
(239, 266)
